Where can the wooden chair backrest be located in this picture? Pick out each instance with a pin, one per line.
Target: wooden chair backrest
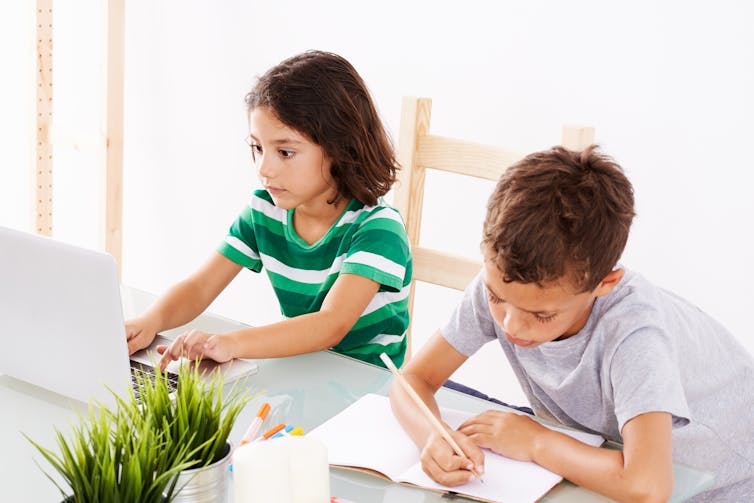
(418, 150)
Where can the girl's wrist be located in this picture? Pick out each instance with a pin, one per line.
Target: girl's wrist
(233, 344)
(152, 320)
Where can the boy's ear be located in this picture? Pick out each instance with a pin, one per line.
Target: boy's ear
(609, 282)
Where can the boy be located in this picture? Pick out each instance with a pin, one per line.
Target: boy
(593, 345)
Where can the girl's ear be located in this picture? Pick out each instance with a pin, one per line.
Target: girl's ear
(609, 282)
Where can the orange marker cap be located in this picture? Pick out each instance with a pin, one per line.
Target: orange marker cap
(273, 431)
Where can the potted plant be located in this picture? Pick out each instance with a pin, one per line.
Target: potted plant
(156, 448)
(107, 458)
(201, 414)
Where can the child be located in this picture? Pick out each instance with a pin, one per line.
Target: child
(337, 256)
(594, 346)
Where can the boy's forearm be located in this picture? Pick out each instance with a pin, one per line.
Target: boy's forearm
(598, 469)
(412, 420)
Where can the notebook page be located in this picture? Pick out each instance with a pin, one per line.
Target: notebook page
(505, 479)
(367, 435)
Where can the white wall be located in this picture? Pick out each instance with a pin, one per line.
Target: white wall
(666, 84)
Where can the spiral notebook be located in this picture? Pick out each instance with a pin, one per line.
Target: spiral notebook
(366, 436)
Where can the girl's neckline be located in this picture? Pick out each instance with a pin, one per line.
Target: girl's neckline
(292, 235)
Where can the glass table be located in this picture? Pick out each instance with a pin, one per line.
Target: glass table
(303, 390)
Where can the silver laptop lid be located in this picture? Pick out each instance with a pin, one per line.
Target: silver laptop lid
(61, 318)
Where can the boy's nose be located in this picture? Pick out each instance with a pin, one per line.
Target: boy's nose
(513, 322)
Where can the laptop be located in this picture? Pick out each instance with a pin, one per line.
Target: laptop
(61, 321)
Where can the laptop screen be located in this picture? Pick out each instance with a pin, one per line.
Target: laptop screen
(61, 318)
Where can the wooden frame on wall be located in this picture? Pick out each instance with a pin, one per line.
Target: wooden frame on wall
(111, 143)
(112, 212)
(42, 192)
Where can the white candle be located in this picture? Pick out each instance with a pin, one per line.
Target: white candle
(281, 470)
(261, 473)
(310, 471)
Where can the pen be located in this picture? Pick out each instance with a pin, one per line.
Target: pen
(425, 410)
(282, 432)
(253, 429)
(271, 432)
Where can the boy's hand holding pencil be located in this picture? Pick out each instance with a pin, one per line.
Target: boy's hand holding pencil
(443, 466)
(440, 461)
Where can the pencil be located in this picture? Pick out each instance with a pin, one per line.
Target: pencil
(425, 410)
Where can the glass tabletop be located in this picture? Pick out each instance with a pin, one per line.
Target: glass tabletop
(304, 391)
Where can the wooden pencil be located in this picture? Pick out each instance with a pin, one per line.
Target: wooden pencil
(425, 410)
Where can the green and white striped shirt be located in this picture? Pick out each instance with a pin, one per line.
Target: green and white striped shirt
(369, 241)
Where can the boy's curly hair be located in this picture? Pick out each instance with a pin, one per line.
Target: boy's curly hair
(559, 214)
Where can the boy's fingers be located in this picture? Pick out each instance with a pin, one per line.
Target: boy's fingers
(472, 421)
(441, 454)
(472, 451)
(454, 477)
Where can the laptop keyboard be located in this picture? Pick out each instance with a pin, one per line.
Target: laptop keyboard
(140, 369)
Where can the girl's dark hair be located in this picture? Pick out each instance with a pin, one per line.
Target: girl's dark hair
(320, 95)
(559, 214)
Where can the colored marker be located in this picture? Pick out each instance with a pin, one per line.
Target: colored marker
(253, 429)
(282, 432)
(289, 431)
(271, 432)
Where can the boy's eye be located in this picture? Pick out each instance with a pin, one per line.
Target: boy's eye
(542, 318)
(493, 299)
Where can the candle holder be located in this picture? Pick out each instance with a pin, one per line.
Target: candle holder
(284, 470)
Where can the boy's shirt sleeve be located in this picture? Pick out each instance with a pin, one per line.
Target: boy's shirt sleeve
(645, 377)
(240, 244)
(379, 251)
(471, 325)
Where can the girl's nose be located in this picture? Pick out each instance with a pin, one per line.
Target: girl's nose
(264, 166)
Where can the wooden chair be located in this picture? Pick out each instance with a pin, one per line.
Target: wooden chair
(418, 150)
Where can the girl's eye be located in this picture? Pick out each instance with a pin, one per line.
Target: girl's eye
(286, 154)
(493, 299)
(544, 319)
(256, 149)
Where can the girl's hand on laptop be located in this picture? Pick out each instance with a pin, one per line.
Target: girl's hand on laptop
(139, 334)
(195, 344)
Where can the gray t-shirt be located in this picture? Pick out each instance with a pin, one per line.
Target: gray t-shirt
(643, 349)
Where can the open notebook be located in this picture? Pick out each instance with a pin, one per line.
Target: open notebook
(366, 435)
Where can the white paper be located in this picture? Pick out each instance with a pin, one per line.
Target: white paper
(367, 435)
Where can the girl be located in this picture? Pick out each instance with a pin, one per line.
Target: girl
(337, 256)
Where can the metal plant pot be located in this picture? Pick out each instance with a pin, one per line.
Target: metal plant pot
(208, 484)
